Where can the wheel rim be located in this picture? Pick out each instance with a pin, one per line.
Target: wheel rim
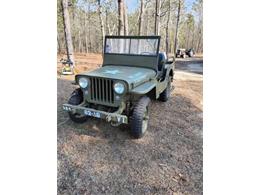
(145, 120)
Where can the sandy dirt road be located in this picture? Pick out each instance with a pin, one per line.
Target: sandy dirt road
(95, 158)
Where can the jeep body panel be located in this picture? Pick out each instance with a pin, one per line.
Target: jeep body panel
(102, 81)
(131, 60)
(160, 87)
(133, 76)
(144, 88)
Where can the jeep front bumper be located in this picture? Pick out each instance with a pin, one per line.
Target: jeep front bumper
(109, 117)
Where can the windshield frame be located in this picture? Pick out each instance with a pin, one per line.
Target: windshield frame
(131, 37)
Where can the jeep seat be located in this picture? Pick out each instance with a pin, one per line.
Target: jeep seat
(162, 60)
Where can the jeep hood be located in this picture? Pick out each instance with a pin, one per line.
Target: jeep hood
(131, 75)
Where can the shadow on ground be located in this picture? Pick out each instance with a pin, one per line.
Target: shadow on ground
(190, 65)
(95, 158)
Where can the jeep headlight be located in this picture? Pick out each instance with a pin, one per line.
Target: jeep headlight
(119, 88)
(83, 82)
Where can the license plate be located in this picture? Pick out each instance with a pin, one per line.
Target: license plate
(92, 113)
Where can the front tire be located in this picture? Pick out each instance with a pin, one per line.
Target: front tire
(140, 117)
(76, 98)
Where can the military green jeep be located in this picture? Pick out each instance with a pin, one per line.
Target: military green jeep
(133, 72)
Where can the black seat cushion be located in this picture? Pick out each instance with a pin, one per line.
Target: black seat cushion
(161, 61)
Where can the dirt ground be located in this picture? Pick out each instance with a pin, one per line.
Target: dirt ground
(95, 158)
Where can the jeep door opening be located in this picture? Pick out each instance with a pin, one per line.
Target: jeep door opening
(133, 72)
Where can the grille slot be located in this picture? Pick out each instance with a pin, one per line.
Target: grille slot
(101, 90)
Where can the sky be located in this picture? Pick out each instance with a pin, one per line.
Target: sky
(188, 4)
(134, 4)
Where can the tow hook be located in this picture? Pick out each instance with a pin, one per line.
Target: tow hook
(114, 124)
(108, 118)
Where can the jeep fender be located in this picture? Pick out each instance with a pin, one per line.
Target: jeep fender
(160, 87)
(169, 71)
(151, 85)
(143, 88)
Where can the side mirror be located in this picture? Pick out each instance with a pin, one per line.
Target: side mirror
(169, 61)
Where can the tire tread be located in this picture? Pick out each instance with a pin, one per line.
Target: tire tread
(137, 117)
(75, 99)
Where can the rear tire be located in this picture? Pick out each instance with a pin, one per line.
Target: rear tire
(76, 98)
(140, 117)
(165, 95)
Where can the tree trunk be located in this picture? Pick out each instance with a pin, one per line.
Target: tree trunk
(189, 39)
(141, 19)
(68, 39)
(79, 43)
(193, 39)
(86, 32)
(113, 31)
(108, 29)
(187, 44)
(199, 42)
(177, 27)
(120, 17)
(157, 17)
(167, 29)
(125, 20)
(101, 24)
(89, 36)
(146, 21)
(59, 45)
(106, 22)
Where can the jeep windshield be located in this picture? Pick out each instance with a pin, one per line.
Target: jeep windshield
(147, 46)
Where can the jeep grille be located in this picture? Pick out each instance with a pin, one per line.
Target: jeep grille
(102, 90)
